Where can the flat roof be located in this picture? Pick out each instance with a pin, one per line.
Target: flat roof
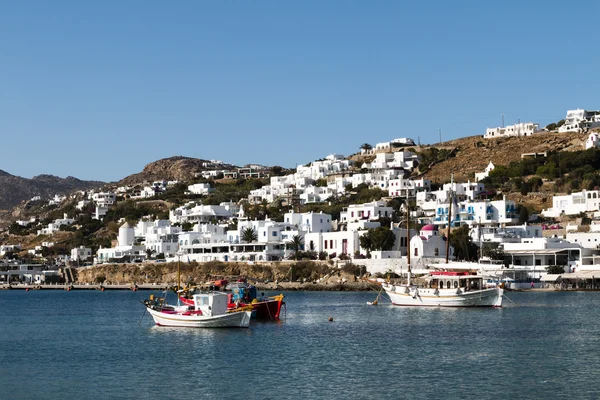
(542, 252)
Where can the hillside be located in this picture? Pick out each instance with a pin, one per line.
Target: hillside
(474, 153)
(15, 189)
(177, 168)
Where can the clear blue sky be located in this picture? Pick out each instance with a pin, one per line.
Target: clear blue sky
(98, 89)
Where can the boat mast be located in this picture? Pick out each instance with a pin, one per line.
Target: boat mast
(451, 198)
(408, 236)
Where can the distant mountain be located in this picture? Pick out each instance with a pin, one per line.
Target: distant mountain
(173, 168)
(14, 189)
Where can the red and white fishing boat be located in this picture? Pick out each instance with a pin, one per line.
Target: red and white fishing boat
(203, 310)
(242, 295)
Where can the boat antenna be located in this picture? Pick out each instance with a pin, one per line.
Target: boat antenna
(451, 197)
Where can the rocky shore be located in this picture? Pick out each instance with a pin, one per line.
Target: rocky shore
(280, 276)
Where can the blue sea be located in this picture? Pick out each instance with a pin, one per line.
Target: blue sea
(100, 345)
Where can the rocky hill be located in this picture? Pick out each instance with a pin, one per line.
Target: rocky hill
(474, 153)
(173, 168)
(15, 189)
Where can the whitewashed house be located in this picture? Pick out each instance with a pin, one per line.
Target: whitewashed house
(580, 120)
(55, 226)
(200, 189)
(368, 211)
(158, 236)
(486, 172)
(81, 253)
(592, 141)
(194, 213)
(103, 202)
(574, 203)
(126, 249)
(204, 234)
(520, 129)
(402, 187)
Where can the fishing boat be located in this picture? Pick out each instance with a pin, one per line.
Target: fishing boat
(208, 310)
(243, 295)
(443, 288)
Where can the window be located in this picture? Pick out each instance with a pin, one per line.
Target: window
(274, 233)
(436, 252)
(416, 251)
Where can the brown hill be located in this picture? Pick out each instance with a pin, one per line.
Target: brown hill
(173, 168)
(15, 189)
(474, 153)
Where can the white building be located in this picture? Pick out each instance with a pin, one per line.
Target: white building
(158, 236)
(580, 120)
(103, 202)
(367, 211)
(574, 203)
(204, 234)
(486, 172)
(126, 249)
(55, 226)
(430, 245)
(200, 188)
(520, 129)
(504, 234)
(592, 141)
(81, 253)
(485, 212)
(407, 187)
(194, 213)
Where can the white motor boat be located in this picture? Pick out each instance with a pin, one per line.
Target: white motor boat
(446, 289)
(209, 310)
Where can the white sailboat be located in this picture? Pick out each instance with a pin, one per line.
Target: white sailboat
(443, 289)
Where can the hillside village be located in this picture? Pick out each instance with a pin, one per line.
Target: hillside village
(528, 210)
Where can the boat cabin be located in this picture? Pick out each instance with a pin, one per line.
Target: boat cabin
(454, 280)
(211, 303)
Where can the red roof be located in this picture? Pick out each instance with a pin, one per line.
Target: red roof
(429, 227)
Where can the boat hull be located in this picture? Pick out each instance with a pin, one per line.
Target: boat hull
(239, 319)
(267, 310)
(413, 296)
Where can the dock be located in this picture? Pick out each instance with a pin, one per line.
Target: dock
(73, 286)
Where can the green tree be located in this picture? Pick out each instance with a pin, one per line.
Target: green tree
(555, 269)
(523, 215)
(297, 244)
(249, 235)
(464, 248)
(366, 146)
(366, 242)
(381, 238)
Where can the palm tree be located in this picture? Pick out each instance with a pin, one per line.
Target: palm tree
(366, 146)
(249, 235)
(297, 243)
(149, 253)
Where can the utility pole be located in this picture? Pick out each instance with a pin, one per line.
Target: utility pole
(502, 119)
(440, 132)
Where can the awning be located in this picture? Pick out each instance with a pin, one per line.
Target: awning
(582, 275)
(539, 252)
(550, 277)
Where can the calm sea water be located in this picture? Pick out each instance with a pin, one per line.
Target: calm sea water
(91, 345)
